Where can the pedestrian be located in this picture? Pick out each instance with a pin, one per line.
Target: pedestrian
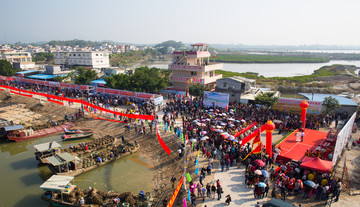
(228, 199)
(203, 191)
(173, 179)
(201, 179)
(219, 192)
(337, 191)
(283, 192)
(193, 200)
(213, 190)
(222, 164)
(208, 190)
(257, 204)
(122, 138)
(165, 202)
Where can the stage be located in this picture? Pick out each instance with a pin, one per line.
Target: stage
(291, 149)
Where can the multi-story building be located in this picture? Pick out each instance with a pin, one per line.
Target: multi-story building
(94, 59)
(21, 60)
(191, 67)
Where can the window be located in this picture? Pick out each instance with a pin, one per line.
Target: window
(28, 59)
(74, 54)
(78, 54)
(211, 73)
(100, 54)
(225, 85)
(232, 95)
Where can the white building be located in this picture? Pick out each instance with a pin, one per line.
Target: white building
(95, 59)
(20, 60)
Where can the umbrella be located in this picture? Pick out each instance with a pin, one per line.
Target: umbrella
(224, 114)
(217, 110)
(219, 127)
(265, 173)
(231, 119)
(211, 110)
(198, 123)
(237, 121)
(204, 138)
(219, 130)
(259, 163)
(231, 137)
(222, 124)
(310, 183)
(257, 172)
(262, 185)
(235, 140)
(203, 132)
(203, 119)
(193, 140)
(207, 119)
(231, 125)
(242, 120)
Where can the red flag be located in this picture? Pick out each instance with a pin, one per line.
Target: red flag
(214, 56)
(226, 108)
(257, 138)
(255, 151)
(194, 79)
(187, 81)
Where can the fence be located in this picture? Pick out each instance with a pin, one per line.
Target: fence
(342, 139)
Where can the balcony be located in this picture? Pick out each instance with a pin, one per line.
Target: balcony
(212, 79)
(201, 68)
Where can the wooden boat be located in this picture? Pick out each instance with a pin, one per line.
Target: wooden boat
(77, 131)
(76, 136)
(45, 150)
(59, 191)
(21, 135)
(70, 165)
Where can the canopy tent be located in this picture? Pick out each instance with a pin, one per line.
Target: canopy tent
(60, 159)
(56, 183)
(46, 146)
(12, 128)
(317, 164)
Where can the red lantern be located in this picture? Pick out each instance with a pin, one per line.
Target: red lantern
(269, 128)
(304, 105)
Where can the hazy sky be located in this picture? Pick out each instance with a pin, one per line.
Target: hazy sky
(252, 22)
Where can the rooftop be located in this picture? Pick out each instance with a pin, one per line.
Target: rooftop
(320, 97)
(56, 182)
(60, 159)
(241, 79)
(42, 76)
(27, 71)
(199, 44)
(47, 146)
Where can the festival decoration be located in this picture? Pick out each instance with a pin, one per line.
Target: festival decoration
(176, 192)
(269, 128)
(304, 105)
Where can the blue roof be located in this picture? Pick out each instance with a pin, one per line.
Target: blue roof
(100, 81)
(320, 97)
(42, 76)
(27, 71)
(15, 127)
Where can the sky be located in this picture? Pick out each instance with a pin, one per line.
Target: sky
(250, 22)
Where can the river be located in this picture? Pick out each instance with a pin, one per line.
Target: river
(274, 69)
(21, 174)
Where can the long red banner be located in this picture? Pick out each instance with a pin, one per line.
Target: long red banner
(20, 94)
(102, 118)
(176, 192)
(252, 135)
(244, 130)
(134, 116)
(54, 101)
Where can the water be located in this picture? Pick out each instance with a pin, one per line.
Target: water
(21, 174)
(275, 69)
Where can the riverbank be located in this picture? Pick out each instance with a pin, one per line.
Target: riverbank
(155, 159)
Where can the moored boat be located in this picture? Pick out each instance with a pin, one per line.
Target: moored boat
(66, 137)
(18, 135)
(77, 131)
(59, 191)
(70, 165)
(45, 150)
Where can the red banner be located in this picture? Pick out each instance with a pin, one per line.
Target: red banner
(244, 130)
(126, 93)
(54, 101)
(100, 90)
(20, 94)
(102, 118)
(252, 135)
(176, 192)
(111, 91)
(162, 143)
(144, 95)
(65, 85)
(134, 116)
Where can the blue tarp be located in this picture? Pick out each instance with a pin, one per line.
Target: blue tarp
(100, 81)
(15, 127)
(320, 97)
(27, 71)
(42, 76)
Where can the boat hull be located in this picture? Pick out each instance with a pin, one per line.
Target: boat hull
(76, 136)
(75, 131)
(43, 132)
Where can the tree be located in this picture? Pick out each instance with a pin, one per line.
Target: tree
(331, 104)
(84, 76)
(43, 57)
(144, 79)
(266, 99)
(197, 90)
(7, 69)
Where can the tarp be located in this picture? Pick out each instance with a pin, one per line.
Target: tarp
(47, 146)
(60, 159)
(15, 127)
(56, 182)
(317, 164)
(42, 76)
